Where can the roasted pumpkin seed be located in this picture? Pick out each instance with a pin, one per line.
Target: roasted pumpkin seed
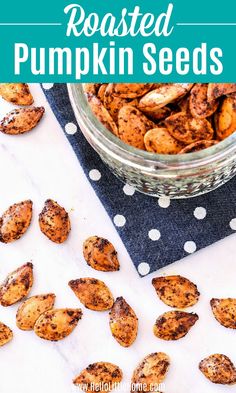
(56, 324)
(216, 90)
(15, 221)
(54, 222)
(17, 285)
(16, 93)
(131, 90)
(100, 254)
(176, 291)
(197, 146)
(200, 107)
(132, 126)
(163, 95)
(150, 372)
(21, 120)
(224, 311)
(93, 293)
(218, 369)
(160, 141)
(188, 129)
(225, 118)
(97, 376)
(32, 308)
(102, 114)
(6, 334)
(173, 325)
(123, 323)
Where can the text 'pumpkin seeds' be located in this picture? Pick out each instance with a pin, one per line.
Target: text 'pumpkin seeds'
(17, 285)
(218, 369)
(15, 221)
(100, 254)
(99, 374)
(176, 291)
(21, 120)
(93, 293)
(32, 308)
(173, 325)
(56, 324)
(54, 222)
(123, 323)
(150, 372)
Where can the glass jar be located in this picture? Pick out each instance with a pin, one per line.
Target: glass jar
(175, 176)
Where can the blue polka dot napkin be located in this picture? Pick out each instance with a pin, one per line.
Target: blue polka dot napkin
(164, 231)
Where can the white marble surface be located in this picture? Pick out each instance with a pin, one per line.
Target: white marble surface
(42, 165)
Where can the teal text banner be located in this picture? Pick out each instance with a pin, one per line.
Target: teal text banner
(118, 41)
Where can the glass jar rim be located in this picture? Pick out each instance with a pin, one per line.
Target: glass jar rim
(82, 108)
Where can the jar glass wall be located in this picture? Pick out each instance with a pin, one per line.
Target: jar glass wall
(175, 176)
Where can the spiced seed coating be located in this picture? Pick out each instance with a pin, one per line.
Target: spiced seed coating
(100, 373)
(15, 221)
(56, 324)
(150, 372)
(130, 90)
(216, 90)
(132, 126)
(100, 254)
(93, 293)
(16, 93)
(17, 285)
(102, 114)
(173, 325)
(218, 369)
(224, 311)
(54, 222)
(21, 120)
(200, 107)
(6, 334)
(123, 322)
(197, 146)
(187, 129)
(32, 308)
(176, 291)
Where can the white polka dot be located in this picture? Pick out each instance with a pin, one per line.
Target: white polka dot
(200, 213)
(233, 224)
(164, 202)
(129, 190)
(95, 175)
(154, 234)
(47, 86)
(119, 220)
(190, 247)
(70, 128)
(143, 268)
